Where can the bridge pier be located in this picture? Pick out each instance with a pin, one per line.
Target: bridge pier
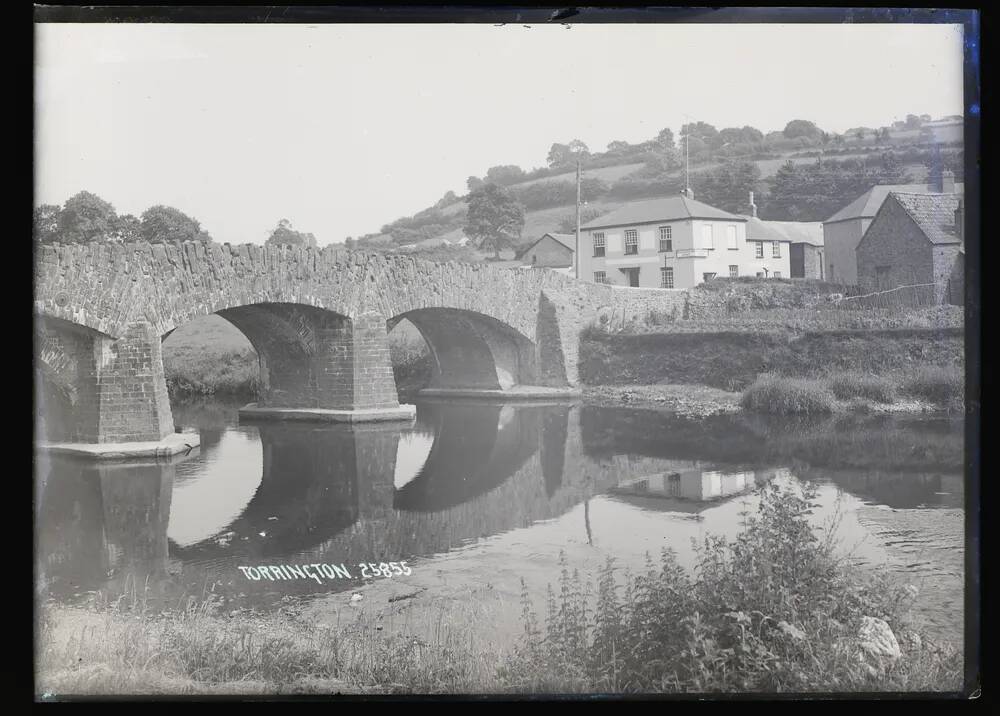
(343, 375)
(118, 406)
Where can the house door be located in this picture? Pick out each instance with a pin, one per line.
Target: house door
(632, 274)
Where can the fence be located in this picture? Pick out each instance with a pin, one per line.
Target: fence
(917, 295)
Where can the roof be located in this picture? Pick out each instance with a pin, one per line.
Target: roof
(933, 213)
(669, 208)
(867, 205)
(567, 240)
(796, 232)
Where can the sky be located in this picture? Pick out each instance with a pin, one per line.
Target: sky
(344, 128)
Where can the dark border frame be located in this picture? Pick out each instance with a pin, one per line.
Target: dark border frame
(399, 13)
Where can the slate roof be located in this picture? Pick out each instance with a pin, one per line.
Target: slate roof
(567, 240)
(796, 232)
(933, 213)
(670, 208)
(867, 205)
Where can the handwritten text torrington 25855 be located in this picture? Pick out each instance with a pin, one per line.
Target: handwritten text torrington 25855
(329, 571)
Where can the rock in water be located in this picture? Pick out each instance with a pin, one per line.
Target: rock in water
(877, 639)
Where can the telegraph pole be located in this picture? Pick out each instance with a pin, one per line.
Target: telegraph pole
(576, 268)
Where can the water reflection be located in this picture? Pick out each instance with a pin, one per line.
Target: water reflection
(273, 493)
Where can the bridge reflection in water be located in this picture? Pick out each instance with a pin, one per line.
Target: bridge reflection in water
(293, 493)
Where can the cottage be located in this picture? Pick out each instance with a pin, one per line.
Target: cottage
(843, 230)
(550, 251)
(676, 242)
(915, 240)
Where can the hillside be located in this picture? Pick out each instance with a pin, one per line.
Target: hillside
(827, 170)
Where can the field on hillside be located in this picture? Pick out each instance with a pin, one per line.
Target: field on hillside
(207, 333)
(608, 174)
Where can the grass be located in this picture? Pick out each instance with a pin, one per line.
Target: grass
(774, 610)
(944, 386)
(206, 372)
(855, 384)
(787, 396)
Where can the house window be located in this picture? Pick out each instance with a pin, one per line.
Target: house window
(631, 241)
(708, 276)
(666, 238)
(666, 277)
(707, 240)
(759, 249)
(599, 244)
(731, 237)
(777, 274)
(600, 277)
(734, 271)
(534, 259)
(776, 249)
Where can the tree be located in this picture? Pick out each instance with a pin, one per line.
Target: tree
(913, 121)
(45, 224)
(565, 154)
(703, 131)
(86, 217)
(740, 135)
(728, 187)
(285, 235)
(494, 219)
(474, 183)
(665, 138)
(505, 175)
(127, 229)
(448, 199)
(559, 154)
(618, 147)
(166, 224)
(801, 128)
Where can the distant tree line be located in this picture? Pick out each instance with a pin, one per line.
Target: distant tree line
(86, 217)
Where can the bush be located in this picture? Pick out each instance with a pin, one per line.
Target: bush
(773, 610)
(941, 386)
(785, 396)
(854, 384)
(234, 372)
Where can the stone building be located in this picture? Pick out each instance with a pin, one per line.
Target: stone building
(843, 230)
(803, 238)
(915, 240)
(550, 251)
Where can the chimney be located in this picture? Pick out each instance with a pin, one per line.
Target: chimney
(947, 182)
(960, 220)
(753, 207)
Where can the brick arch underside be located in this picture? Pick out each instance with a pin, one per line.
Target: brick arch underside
(63, 353)
(292, 342)
(473, 351)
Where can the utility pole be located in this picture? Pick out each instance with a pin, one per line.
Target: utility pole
(576, 269)
(687, 163)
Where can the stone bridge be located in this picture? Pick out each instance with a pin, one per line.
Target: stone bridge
(318, 319)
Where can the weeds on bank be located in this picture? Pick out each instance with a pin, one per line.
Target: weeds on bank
(772, 611)
(938, 385)
(855, 384)
(784, 396)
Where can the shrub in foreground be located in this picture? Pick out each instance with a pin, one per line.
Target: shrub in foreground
(941, 386)
(854, 384)
(772, 611)
(785, 396)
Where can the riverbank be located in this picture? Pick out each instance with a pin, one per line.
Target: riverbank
(827, 627)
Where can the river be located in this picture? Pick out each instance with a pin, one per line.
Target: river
(528, 479)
